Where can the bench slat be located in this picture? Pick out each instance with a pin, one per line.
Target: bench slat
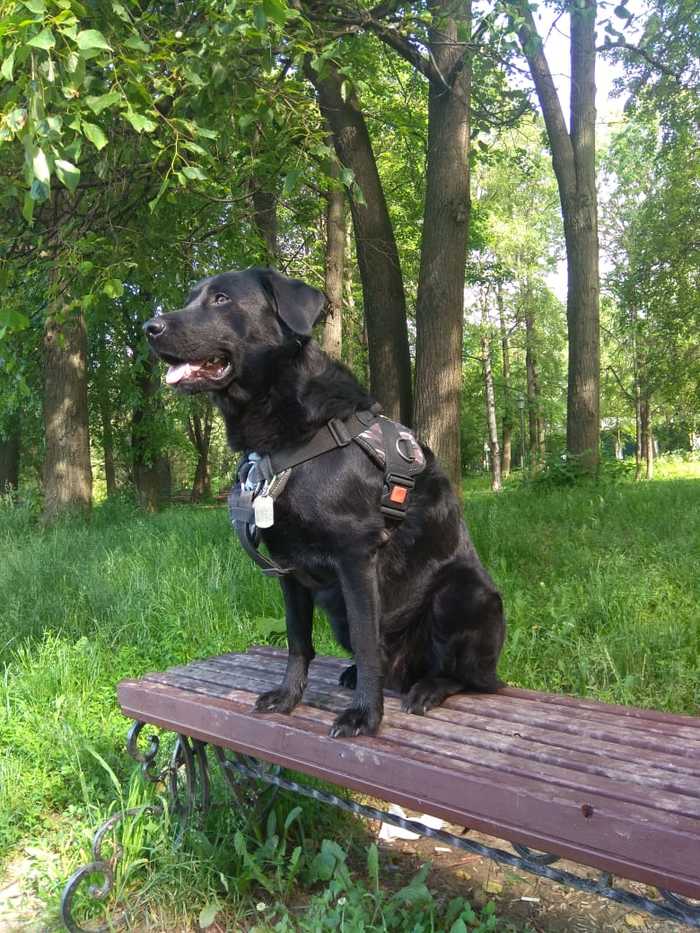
(640, 821)
(469, 731)
(416, 732)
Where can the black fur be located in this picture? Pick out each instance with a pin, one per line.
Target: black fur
(419, 613)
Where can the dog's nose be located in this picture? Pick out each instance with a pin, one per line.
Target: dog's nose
(154, 327)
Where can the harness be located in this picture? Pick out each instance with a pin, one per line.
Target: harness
(261, 479)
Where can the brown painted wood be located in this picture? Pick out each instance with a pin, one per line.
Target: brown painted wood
(469, 737)
(555, 776)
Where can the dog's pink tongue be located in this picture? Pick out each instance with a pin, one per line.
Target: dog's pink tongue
(177, 373)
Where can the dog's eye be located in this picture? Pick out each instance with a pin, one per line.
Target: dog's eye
(220, 299)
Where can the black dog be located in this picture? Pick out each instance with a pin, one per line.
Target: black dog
(415, 606)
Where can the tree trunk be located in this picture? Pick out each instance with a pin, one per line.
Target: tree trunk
(377, 255)
(573, 159)
(151, 469)
(535, 425)
(9, 456)
(647, 437)
(67, 473)
(107, 441)
(490, 397)
(440, 306)
(332, 338)
(265, 219)
(507, 421)
(199, 427)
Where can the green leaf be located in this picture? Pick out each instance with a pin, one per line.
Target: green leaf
(44, 40)
(245, 121)
(98, 104)
(92, 39)
(36, 6)
(193, 172)
(28, 207)
(139, 122)
(165, 184)
(8, 66)
(16, 119)
(121, 12)
(96, 136)
(459, 926)
(291, 181)
(276, 10)
(373, 866)
(259, 17)
(206, 133)
(135, 42)
(40, 167)
(113, 288)
(347, 176)
(39, 190)
(12, 320)
(293, 814)
(68, 174)
(208, 914)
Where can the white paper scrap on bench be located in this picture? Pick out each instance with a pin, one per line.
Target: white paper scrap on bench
(388, 833)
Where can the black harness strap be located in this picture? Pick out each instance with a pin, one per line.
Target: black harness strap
(336, 433)
(259, 475)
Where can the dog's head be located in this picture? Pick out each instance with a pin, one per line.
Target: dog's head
(232, 327)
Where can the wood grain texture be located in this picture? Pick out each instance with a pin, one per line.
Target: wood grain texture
(614, 788)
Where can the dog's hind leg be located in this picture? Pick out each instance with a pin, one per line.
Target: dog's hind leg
(299, 616)
(467, 634)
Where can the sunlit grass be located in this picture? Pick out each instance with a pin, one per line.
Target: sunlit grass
(600, 583)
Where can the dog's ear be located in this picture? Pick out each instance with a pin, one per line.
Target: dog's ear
(299, 305)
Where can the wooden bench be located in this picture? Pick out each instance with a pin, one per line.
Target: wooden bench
(610, 787)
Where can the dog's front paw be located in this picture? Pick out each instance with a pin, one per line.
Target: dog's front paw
(276, 701)
(348, 678)
(357, 720)
(423, 696)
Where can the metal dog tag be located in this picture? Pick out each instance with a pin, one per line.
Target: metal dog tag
(264, 509)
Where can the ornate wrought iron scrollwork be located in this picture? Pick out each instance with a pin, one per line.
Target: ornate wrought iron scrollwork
(99, 866)
(186, 778)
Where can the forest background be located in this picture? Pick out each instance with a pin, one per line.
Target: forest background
(395, 155)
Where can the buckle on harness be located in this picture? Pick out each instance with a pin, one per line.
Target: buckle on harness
(339, 432)
(395, 497)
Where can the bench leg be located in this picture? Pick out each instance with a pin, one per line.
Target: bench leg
(186, 778)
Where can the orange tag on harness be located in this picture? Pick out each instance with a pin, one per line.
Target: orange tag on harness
(398, 494)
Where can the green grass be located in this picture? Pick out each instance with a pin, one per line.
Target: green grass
(601, 588)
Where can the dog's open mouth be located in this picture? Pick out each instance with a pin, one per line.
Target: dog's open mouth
(213, 371)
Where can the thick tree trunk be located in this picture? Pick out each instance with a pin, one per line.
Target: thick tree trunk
(67, 473)
(332, 337)
(491, 421)
(573, 159)
(507, 421)
(151, 469)
(199, 425)
(377, 255)
(440, 306)
(9, 456)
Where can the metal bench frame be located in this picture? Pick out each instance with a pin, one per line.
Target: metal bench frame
(255, 783)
